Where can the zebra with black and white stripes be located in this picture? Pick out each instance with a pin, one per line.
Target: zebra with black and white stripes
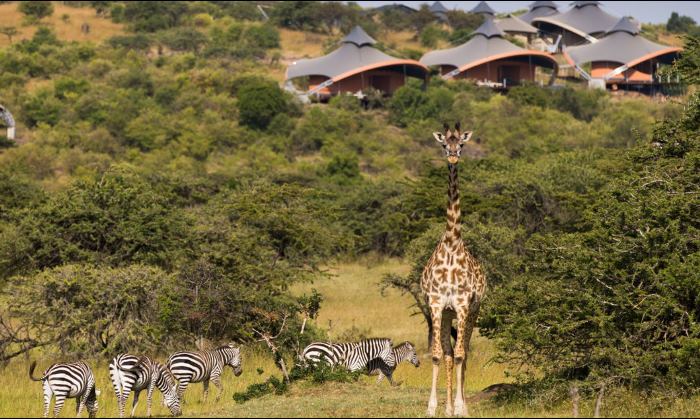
(403, 352)
(354, 356)
(204, 366)
(137, 373)
(64, 381)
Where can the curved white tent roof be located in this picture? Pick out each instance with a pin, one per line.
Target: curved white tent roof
(622, 44)
(585, 19)
(486, 45)
(355, 55)
(483, 8)
(539, 9)
(513, 24)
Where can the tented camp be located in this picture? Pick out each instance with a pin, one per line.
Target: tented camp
(8, 121)
(490, 59)
(355, 66)
(483, 9)
(539, 9)
(585, 22)
(439, 11)
(622, 57)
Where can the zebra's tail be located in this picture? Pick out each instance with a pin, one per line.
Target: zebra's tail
(32, 367)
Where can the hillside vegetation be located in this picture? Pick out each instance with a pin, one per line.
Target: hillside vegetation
(161, 168)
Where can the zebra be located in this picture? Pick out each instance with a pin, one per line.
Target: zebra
(64, 381)
(196, 367)
(404, 352)
(131, 373)
(354, 356)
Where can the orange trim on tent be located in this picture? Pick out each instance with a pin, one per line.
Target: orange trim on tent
(508, 55)
(654, 54)
(568, 58)
(378, 65)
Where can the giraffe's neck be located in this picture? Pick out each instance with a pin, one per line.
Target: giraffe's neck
(454, 212)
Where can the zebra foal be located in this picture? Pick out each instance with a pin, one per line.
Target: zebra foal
(131, 373)
(62, 381)
(404, 352)
(204, 366)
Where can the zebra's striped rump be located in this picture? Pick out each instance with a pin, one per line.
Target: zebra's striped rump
(62, 381)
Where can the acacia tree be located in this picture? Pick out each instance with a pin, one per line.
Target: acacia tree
(9, 32)
(36, 9)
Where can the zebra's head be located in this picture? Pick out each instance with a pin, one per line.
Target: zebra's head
(169, 389)
(232, 357)
(410, 353)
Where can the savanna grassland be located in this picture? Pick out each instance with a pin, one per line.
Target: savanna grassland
(164, 190)
(352, 302)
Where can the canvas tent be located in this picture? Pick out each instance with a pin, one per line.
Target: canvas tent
(622, 56)
(539, 9)
(8, 121)
(356, 65)
(585, 22)
(489, 58)
(483, 9)
(515, 26)
(439, 11)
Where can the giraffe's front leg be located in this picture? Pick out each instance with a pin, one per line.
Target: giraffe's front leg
(436, 355)
(446, 343)
(460, 361)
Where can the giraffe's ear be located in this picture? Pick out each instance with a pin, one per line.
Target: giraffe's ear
(465, 137)
(439, 137)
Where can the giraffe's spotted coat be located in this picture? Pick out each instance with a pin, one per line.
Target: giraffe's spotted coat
(453, 283)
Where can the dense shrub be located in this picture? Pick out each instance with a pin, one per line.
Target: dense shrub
(259, 101)
(151, 16)
(36, 9)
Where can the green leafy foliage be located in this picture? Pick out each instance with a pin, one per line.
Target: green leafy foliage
(90, 310)
(36, 9)
(259, 101)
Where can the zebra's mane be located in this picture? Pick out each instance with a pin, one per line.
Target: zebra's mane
(404, 344)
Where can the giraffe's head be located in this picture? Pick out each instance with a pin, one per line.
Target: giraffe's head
(452, 141)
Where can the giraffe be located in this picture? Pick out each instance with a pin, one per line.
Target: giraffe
(453, 284)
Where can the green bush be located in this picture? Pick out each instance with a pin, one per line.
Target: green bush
(151, 16)
(65, 306)
(36, 9)
(259, 101)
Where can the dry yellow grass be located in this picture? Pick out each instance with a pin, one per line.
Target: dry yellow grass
(100, 28)
(299, 44)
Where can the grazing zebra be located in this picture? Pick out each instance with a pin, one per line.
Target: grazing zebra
(354, 356)
(68, 381)
(196, 367)
(131, 373)
(404, 352)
